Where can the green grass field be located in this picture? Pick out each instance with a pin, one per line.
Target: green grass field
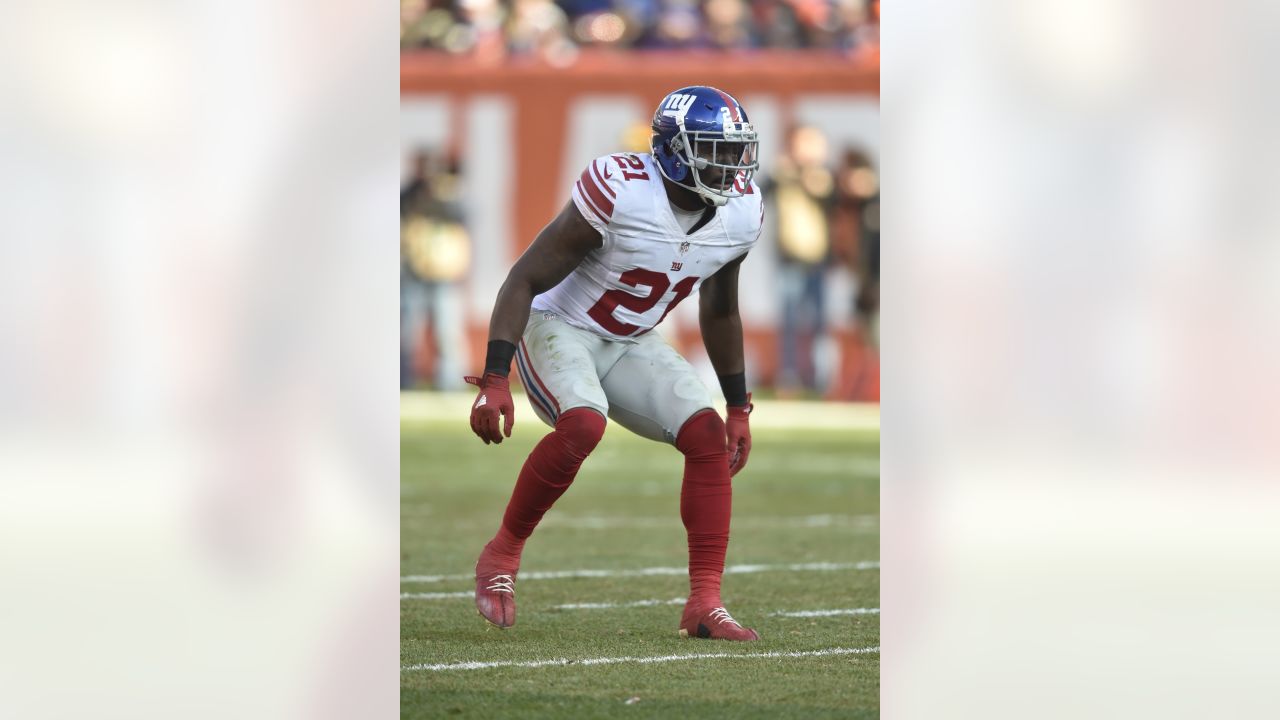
(808, 497)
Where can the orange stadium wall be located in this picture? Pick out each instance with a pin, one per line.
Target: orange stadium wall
(525, 131)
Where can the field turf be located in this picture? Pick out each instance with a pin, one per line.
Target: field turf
(805, 525)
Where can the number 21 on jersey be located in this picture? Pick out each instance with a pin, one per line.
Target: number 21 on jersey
(658, 283)
(636, 169)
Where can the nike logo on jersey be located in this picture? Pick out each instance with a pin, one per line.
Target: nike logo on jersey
(482, 401)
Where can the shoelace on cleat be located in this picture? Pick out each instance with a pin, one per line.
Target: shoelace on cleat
(502, 583)
(722, 616)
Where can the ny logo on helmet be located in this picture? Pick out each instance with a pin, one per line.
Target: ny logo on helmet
(678, 105)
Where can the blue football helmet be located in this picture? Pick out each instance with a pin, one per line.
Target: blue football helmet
(703, 140)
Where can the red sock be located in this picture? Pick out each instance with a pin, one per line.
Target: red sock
(706, 500)
(547, 473)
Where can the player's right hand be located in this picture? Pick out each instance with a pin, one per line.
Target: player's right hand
(493, 401)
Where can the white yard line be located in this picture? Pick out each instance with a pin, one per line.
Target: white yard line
(606, 606)
(643, 572)
(827, 613)
(646, 603)
(638, 660)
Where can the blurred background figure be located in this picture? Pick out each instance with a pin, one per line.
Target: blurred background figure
(540, 27)
(677, 24)
(435, 254)
(801, 190)
(855, 245)
(856, 226)
(729, 24)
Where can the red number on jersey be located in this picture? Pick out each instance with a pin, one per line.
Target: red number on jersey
(635, 163)
(683, 288)
(602, 311)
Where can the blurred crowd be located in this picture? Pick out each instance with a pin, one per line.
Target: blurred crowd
(555, 30)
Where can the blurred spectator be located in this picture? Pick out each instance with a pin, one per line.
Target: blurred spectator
(484, 22)
(679, 24)
(728, 24)
(435, 252)
(855, 245)
(472, 27)
(855, 232)
(540, 27)
(801, 189)
(862, 38)
(491, 29)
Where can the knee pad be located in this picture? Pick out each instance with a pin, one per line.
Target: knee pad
(702, 436)
(579, 431)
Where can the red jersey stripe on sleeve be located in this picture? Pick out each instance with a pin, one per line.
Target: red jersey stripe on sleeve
(587, 201)
(600, 181)
(593, 192)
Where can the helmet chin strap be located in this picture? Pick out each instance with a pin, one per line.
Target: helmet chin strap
(708, 199)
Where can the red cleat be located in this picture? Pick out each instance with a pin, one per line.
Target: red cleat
(713, 624)
(495, 590)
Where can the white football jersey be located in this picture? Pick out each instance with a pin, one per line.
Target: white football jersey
(647, 264)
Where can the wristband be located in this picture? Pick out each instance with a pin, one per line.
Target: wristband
(498, 359)
(734, 388)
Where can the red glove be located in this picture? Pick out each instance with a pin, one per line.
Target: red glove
(739, 431)
(494, 400)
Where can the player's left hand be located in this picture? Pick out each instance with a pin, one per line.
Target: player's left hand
(738, 429)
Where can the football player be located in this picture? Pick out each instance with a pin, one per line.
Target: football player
(641, 233)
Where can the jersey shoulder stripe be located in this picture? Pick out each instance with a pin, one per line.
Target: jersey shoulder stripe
(586, 201)
(596, 195)
(595, 170)
(607, 201)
